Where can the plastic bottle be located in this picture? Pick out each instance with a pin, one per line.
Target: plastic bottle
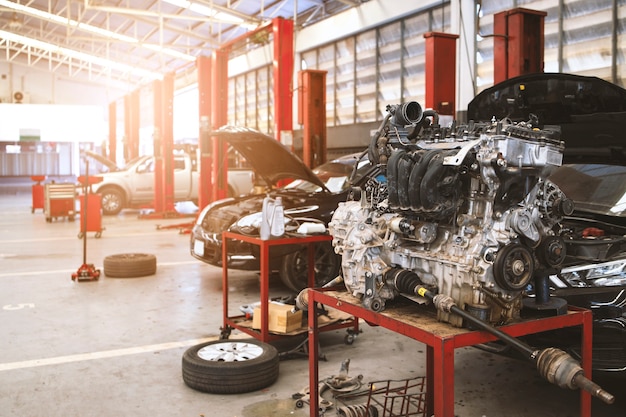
(277, 224)
(266, 218)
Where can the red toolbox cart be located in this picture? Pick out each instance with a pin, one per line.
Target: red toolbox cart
(37, 190)
(59, 201)
(90, 207)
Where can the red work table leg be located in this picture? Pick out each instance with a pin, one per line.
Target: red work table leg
(430, 380)
(265, 292)
(225, 286)
(313, 358)
(586, 360)
(441, 368)
(310, 250)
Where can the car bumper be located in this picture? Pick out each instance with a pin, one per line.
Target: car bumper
(241, 255)
(209, 251)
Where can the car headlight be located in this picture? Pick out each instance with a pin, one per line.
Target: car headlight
(209, 207)
(606, 274)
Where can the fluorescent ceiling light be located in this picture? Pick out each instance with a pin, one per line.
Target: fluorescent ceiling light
(212, 13)
(93, 29)
(206, 11)
(106, 63)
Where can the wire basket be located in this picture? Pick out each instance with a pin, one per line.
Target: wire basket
(387, 398)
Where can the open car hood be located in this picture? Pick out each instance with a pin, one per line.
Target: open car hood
(269, 159)
(101, 159)
(591, 112)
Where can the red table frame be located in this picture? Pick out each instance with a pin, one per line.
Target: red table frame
(264, 245)
(440, 346)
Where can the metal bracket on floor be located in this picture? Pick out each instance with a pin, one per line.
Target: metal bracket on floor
(183, 228)
(163, 215)
(300, 350)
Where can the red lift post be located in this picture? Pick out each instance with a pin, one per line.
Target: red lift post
(127, 128)
(282, 30)
(131, 125)
(112, 154)
(440, 76)
(518, 45)
(219, 117)
(203, 65)
(167, 142)
(164, 198)
(312, 116)
(159, 201)
(282, 33)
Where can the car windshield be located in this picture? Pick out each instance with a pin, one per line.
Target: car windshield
(594, 188)
(130, 163)
(334, 174)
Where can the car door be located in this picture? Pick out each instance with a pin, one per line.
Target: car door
(182, 177)
(142, 180)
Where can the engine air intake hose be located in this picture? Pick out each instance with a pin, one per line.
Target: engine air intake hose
(406, 113)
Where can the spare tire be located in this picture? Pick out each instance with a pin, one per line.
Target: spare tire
(129, 265)
(230, 366)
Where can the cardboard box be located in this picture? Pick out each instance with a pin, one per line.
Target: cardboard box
(281, 317)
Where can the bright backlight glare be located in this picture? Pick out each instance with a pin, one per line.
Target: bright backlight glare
(205, 11)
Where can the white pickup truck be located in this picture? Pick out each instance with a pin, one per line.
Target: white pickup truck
(133, 185)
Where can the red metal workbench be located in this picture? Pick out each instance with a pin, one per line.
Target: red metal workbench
(441, 339)
(233, 322)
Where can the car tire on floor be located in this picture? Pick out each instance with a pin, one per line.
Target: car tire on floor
(230, 366)
(129, 265)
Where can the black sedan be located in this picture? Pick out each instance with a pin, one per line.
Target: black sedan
(311, 196)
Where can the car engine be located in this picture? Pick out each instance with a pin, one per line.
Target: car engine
(464, 210)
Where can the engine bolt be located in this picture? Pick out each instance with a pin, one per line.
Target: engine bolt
(518, 267)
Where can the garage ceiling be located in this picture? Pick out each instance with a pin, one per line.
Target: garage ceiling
(125, 43)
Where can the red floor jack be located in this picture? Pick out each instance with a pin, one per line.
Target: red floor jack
(86, 272)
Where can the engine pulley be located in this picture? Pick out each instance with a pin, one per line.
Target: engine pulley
(514, 267)
(552, 251)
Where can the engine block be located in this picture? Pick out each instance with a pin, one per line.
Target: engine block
(464, 210)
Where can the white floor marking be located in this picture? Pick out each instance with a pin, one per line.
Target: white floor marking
(58, 238)
(102, 355)
(65, 271)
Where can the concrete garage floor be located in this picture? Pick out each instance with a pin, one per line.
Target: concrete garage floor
(114, 347)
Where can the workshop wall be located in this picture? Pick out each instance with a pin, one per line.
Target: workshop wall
(42, 87)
